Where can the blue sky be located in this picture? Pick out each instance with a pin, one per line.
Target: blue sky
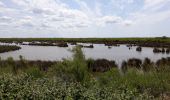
(84, 18)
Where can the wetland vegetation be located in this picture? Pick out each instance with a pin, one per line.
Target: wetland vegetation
(80, 78)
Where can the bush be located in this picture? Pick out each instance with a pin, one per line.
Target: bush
(25, 86)
(34, 72)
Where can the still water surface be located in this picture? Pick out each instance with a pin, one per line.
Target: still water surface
(98, 52)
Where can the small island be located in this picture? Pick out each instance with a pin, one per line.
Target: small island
(7, 48)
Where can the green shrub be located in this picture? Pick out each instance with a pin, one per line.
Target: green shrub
(34, 72)
(24, 86)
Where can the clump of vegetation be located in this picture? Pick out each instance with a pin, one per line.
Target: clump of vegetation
(7, 48)
(147, 65)
(156, 50)
(109, 44)
(139, 49)
(100, 65)
(163, 61)
(163, 50)
(59, 44)
(134, 62)
(90, 46)
(168, 50)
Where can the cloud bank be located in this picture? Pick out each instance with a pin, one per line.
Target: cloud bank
(90, 18)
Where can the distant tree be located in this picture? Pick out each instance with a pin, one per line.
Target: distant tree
(164, 37)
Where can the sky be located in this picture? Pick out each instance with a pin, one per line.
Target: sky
(84, 18)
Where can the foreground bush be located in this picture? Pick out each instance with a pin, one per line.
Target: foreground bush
(25, 86)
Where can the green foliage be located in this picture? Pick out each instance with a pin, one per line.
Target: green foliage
(156, 83)
(25, 86)
(34, 72)
(79, 66)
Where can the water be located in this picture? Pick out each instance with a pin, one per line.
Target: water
(99, 51)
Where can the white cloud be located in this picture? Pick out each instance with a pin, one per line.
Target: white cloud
(55, 16)
(21, 2)
(5, 19)
(154, 5)
(121, 4)
(151, 3)
(111, 19)
(98, 9)
(130, 1)
(6, 11)
(67, 13)
(81, 25)
(45, 11)
(127, 23)
(42, 11)
(45, 25)
(85, 8)
(28, 17)
(153, 18)
(2, 4)
(150, 13)
(26, 23)
(107, 20)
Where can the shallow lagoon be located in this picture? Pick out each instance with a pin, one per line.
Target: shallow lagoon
(100, 51)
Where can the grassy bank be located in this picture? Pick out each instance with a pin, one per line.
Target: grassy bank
(74, 80)
(7, 48)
